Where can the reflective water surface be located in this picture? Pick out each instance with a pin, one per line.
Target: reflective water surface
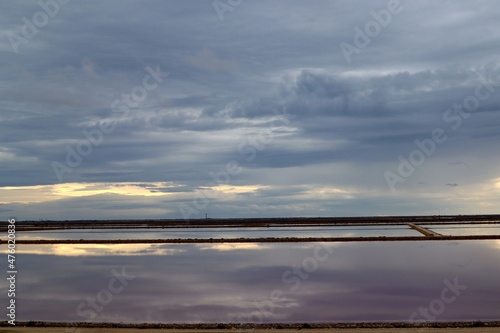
(471, 229)
(145, 233)
(292, 282)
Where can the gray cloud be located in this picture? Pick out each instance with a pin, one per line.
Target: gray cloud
(349, 121)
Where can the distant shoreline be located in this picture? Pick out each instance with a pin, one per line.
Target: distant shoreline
(253, 222)
(411, 221)
(270, 326)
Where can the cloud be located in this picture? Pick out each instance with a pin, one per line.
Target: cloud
(207, 60)
(347, 122)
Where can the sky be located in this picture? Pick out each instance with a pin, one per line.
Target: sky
(240, 108)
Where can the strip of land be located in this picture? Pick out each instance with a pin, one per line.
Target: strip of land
(426, 232)
(255, 240)
(253, 222)
(321, 330)
(452, 327)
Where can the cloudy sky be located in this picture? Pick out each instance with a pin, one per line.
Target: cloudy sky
(177, 109)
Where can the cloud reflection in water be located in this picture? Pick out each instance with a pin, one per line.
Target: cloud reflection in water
(218, 283)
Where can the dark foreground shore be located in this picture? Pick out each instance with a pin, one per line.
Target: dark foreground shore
(324, 330)
(455, 327)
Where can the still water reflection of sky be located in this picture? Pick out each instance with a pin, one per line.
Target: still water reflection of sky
(456, 230)
(240, 282)
(336, 231)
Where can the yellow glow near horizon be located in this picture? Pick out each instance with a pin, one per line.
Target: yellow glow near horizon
(44, 193)
(237, 189)
(83, 189)
(334, 192)
(24, 194)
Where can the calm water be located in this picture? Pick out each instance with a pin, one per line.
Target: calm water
(459, 230)
(328, 282)
(347, 231)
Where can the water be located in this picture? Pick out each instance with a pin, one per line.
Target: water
(227, 233)
(293, 282)
(462, 230)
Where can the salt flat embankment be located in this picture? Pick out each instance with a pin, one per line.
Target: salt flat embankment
(253, 222)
